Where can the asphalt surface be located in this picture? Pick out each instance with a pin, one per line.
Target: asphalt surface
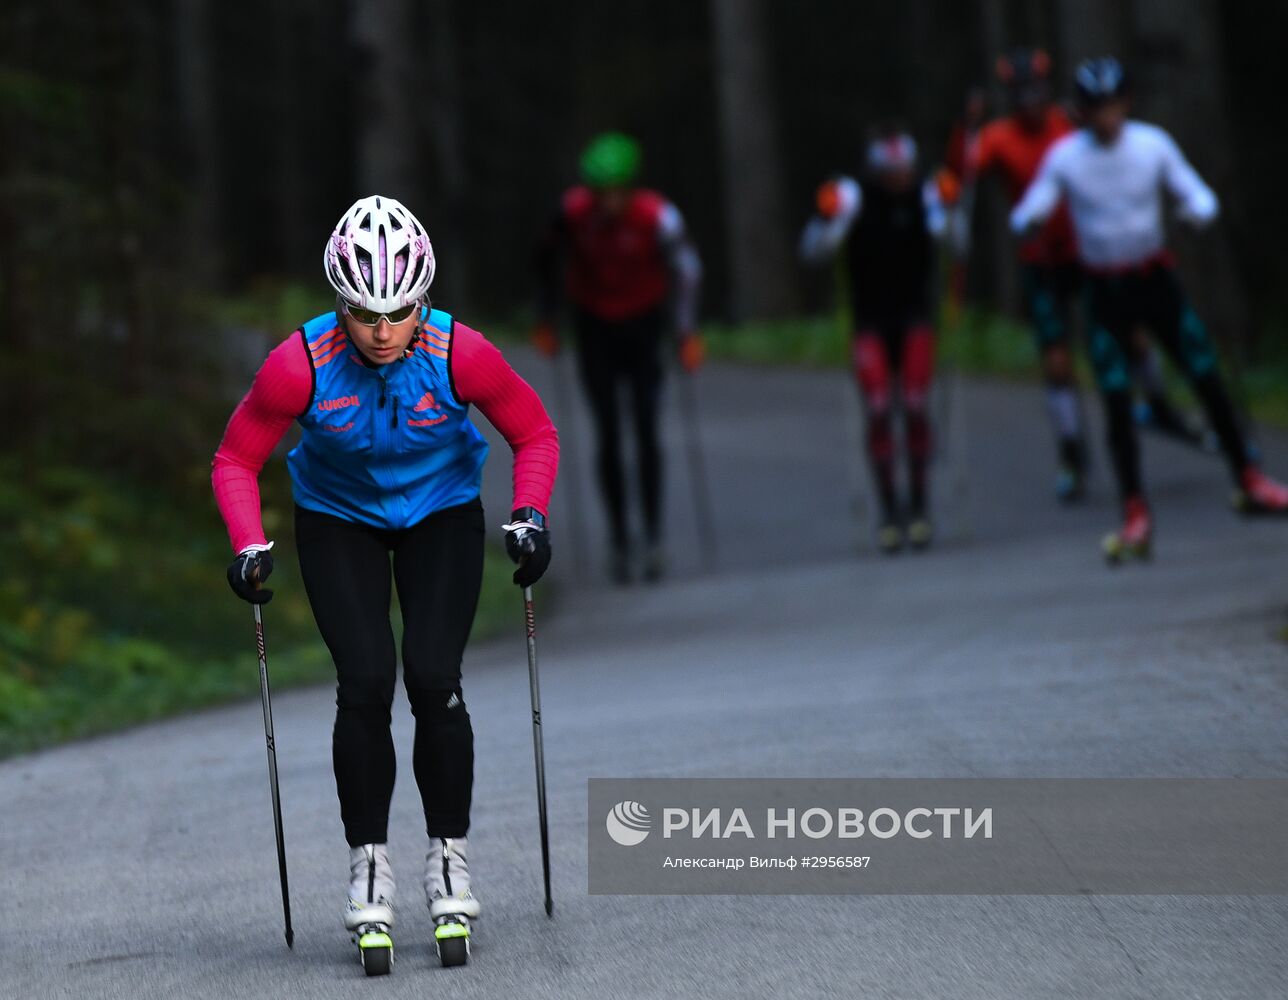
(142, 864)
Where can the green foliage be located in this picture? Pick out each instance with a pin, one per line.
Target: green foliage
(38, 101)
(987, 344)
(114, 608)
(980, 343)
(1264, 386)
(811, 341)
(268, 304)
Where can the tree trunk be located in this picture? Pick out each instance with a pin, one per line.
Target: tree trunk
(383, 33)
(297, 233)
(991, 211)
(761, 266)
(1088, 28)
(445, 131)
(1180, 80)
(193, 83)
(123, 117)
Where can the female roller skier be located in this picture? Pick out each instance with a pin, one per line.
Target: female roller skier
(1112, 173)
(621, 256)
(887, 229)
(389, 463)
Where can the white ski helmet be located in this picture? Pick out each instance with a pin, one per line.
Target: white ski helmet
(379, 256)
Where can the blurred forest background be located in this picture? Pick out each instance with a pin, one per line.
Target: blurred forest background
(160, 156)
(170, 169)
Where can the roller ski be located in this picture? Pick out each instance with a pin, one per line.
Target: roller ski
(1135, 539)
(920, 532)
(1259, 494)
(370, 914)
(889, 536)
(452, 906)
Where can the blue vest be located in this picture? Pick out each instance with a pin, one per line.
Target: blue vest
(386, 445)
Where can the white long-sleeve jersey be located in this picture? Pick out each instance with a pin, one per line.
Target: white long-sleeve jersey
(1115, 193)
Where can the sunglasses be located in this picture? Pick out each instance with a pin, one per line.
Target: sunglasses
(368, 317)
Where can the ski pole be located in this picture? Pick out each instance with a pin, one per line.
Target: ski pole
(851, 407)
(959, 230)
(538, 750)
(697, 471)
(272, 773)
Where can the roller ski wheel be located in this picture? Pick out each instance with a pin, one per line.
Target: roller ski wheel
(1117, 551)
(375, 950)
(370, 914)
(1134, 541)
(1259, 494)
(889, 537)
(452, 940)
(920, 533)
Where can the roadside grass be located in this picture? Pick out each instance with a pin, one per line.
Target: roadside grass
(985, 344)
(114, 609)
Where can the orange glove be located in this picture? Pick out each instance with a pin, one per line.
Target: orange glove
(828, 200)
(949, 185)
(692, 352)
(545, 340)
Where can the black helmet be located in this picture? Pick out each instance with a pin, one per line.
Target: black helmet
(1100, 80)
(1022, 67)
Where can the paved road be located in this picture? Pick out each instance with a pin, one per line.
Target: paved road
(141, 865)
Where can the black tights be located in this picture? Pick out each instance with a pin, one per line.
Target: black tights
(1153, 298)
(438, 569)
(608, 355)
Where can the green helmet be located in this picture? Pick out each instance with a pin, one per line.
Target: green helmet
(611, 160)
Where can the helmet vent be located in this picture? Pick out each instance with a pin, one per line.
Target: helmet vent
(364, 267)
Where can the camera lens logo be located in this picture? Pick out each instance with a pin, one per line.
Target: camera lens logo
(628, 823)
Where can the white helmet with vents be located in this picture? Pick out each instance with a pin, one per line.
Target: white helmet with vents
(379, 256)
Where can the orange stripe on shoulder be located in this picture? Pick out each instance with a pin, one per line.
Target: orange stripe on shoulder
(325, 357)
(432, 349)
(330, 335)
(323, 346)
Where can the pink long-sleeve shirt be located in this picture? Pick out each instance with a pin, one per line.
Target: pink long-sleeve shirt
(283, 390)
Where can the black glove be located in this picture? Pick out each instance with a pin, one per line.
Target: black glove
(527, 542)
(250, 569)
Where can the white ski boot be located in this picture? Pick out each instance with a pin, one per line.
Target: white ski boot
(370, 914)
(451, 904)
